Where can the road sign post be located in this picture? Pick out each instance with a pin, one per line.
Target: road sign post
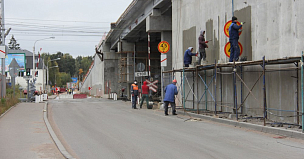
(27, 78)
(3, 52)
(163, 47)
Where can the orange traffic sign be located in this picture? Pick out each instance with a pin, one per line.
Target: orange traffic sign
(228, 46)
(227, 25)
(163, 47)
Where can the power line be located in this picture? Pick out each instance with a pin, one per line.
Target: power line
(41, 34)
(60, 31)
(58, 40)
(57, 20)
(54, 26)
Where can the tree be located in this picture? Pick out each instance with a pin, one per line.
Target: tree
(13, 45)
(80, 72)
(64, 78)
(67, 67)
(78, 63)
(67, 64)
(83, 64)
(86, 63)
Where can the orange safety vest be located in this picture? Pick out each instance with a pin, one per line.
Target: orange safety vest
(135, 87)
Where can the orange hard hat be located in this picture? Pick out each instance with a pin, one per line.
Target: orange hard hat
(174, 81)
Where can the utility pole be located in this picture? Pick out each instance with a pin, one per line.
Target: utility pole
(3, 80)
(232, 8)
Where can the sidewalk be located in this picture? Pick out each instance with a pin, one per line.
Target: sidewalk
(23, 133)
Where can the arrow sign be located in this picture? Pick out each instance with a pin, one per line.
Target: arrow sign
(13, 68)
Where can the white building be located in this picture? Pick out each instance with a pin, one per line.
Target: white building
(41, 77)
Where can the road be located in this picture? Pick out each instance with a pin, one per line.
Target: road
(102, 128)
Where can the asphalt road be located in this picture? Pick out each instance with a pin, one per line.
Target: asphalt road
(101, 128)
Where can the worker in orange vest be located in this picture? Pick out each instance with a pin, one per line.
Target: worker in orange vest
(134, 92)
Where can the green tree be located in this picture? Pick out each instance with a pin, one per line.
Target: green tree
(86, 63)
(78, 63)
(67, 64)
(13, 45)
(67, 67)
(64, 78)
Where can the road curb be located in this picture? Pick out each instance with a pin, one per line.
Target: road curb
(270, 130)
(59, 145)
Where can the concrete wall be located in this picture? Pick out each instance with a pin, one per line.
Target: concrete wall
(273, 29)
(158, 23)
(95, 79)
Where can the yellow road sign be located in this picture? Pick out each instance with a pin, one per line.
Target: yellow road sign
(226, 28)
(227, 49)
(163, 47)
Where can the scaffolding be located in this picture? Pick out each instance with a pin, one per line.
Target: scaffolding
(214, 88)
(125, 66)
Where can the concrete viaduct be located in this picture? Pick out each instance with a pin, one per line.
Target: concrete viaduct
(273, 29)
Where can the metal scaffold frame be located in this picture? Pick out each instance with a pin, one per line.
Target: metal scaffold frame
(211, 86)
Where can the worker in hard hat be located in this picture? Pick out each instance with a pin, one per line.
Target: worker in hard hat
(188, 56)
(170, 92)
(134, 92)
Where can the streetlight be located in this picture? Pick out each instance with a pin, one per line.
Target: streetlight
(47, 82)
(34, 54)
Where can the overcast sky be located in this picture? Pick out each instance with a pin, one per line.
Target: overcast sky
(77, 25)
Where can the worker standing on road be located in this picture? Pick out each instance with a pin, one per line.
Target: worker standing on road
(233, 39)
(170, 92)
(202, 45)
(188, 56)
(145, 95)
(134, 92)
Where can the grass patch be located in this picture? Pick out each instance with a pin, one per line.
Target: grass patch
(10, 99)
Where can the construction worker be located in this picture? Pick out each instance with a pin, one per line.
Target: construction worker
(145, 95)
(170, 92)
(134, 92)
(188, 56)
(233, 39)
(202, 45)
